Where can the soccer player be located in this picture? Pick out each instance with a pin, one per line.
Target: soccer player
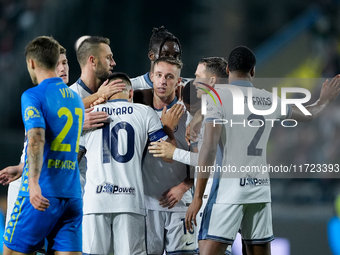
(96, 61)
(162, 44)
(233, 205)
(165, 227)
(11, 174)
(49, 204)
(114, 209)
(210, 71)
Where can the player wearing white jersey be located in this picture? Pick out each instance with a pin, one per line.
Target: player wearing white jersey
(165, 227)
(209, 71)
(114, 195)
(96, 62)
(243, 202)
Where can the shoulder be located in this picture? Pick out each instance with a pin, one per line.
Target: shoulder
(74, 86)
(33, 93)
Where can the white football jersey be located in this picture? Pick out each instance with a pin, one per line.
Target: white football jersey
(83, 91)
(141, 82)
(159, 176)
(245, 136)
(114, 158)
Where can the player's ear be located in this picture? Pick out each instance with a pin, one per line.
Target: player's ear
(130, 95)
(92, 60)
(213, 80)
(178, 81)
(151, 76)
(151, 56)
(30, 64)
(228, 71)
(252, 72)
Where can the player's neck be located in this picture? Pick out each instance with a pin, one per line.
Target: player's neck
(120, 95)
(45, 74)
(159, 103)
(90, 80)
(239, 76)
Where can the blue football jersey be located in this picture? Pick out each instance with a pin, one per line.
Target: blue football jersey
(60, 111)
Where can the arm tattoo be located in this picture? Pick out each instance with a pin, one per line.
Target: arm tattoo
(35, 151)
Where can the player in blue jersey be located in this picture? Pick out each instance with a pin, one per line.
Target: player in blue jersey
(11, 174)
(49, 204)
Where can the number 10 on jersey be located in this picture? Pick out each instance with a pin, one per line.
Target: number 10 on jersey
(111, 142)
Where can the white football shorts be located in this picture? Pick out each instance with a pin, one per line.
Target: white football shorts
(221, 222)
(118, 233)
(166, 231)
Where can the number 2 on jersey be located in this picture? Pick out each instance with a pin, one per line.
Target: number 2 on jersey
(57, 144)
(252, 150)
(111, 143)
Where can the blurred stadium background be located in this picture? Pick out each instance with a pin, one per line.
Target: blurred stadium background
(291, 39)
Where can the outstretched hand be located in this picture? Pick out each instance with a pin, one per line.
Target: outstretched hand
(162, 149)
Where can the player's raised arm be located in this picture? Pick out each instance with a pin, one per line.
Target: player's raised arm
(35, 152)
(329, 91)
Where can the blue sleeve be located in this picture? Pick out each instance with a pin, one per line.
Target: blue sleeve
(31, 110)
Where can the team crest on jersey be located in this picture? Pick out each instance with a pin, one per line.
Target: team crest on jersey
(31, 112)
(249, 181)
(110, 188)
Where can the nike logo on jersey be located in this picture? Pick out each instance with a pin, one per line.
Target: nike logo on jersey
(187, 244)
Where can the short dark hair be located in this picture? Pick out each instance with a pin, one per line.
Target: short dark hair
(241, 59)
(159, 37)
(62, 50)
(216, 66)
(122, 76)
(171, 61)
(45, 50)
(90, 46)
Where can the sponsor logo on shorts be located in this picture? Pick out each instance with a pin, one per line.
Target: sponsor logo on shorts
(248, 181)
(110, 188)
